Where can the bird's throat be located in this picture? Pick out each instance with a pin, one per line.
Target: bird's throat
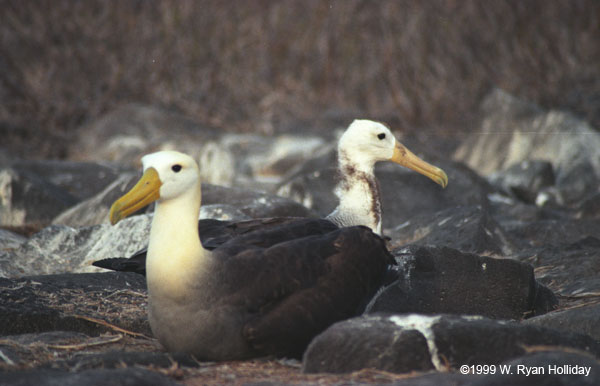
(359, 197)
(175, 255)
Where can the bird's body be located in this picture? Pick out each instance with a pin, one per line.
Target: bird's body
(362, 145)
(265, 292)
(254, 301)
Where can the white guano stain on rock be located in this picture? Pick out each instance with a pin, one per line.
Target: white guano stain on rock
(423, 324)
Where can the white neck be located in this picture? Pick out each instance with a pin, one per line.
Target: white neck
(175, 254)
(358, 192)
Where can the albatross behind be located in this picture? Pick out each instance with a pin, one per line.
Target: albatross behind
(363, 144)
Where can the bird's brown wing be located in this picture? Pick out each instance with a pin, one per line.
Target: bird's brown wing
(294, 290)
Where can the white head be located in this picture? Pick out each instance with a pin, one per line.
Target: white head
(167, 175)
(366, 142)
(177, 172)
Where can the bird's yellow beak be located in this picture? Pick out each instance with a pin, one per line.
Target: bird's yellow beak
(146, 191)
(406, 158)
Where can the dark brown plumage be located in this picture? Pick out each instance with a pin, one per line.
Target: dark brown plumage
(301, 285)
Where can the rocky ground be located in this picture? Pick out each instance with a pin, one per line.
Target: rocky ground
(500, 268)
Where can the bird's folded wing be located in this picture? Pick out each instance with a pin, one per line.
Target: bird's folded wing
(295, 289)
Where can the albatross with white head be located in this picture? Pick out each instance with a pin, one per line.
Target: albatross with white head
(257, 294)
(363, 144)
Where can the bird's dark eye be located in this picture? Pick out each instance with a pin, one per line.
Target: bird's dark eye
(176, 168)
(381, 136)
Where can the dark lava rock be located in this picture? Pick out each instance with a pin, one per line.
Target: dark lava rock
(510, 212)
(525, 179)
(564, 254)
(579, 184)
(67, 302)
(116, 377)
(491, 341)
(572, 273)
(94, 210)
(467, 228)
(80, 179)
(533, 225)
(556, 368)
(27, 199)
(404, 193)
(435, 280)
(449, 341)
(584, 320)
(561, 244)
(376, 342)
(118, 359)
(589, 208)
(553, 232)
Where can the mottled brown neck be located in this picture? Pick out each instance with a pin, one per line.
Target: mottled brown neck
(359, 194)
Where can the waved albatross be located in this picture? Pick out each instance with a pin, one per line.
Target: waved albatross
(363, 144)
(250, 296)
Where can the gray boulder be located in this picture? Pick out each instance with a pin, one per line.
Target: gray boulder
(585, 320)
(60, 249)
(32, 193)
(125, 134)
(563, 254)
(467, 228)
(95, 209)
(525, 180)
(26, 199)
(435, 280)
(442, 342)
(513, 131)
(10, 240)
(80, 179)
(264, 160)
(371, 342)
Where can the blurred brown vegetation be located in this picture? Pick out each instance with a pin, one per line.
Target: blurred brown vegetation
(255, 65)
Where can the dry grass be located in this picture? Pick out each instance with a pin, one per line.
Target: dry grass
(259, 65)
